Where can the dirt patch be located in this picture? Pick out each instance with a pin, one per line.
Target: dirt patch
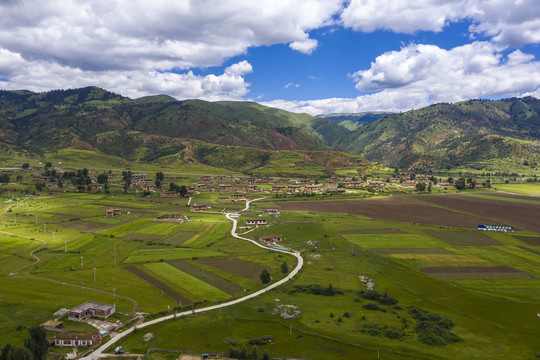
(245, 269)
(399, 209)
(414, 251)
(375, 231)
(167, 290)
(473, 272)
(209, 278)
(144, 237)
(531, 240)
(492, 212)
(85, 225)
(463, 238)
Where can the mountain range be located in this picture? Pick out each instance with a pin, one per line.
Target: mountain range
(480, 134)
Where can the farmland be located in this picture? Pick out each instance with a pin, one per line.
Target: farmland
(420, 250)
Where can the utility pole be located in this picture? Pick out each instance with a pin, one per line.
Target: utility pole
(114, 293)
(115, 255)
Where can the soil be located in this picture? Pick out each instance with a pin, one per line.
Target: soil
(399, 209)
(414, 251)
(85, 225)
(531, 240)
(492, 212)
(463, 238)
(167, 290)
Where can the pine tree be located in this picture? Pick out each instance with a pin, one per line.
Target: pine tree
(284, 268)
(265, 276)
(266, 355)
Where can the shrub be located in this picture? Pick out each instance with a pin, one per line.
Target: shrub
(372, 306)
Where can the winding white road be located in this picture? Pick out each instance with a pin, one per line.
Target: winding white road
(99, 351)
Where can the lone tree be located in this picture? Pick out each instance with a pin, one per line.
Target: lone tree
(266, 355)
(159, 179)
(420, 186)
(284, 267)
(265, 276)
(25, 166)
(37, 342)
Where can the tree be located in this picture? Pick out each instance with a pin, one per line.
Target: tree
(37, 342)
(10, 352)
(412, 176)
(460, 184)
(254, 352)
(127, 176)
(243, 352)
(420, 186)
(160, 176)
(25, 166)
(472, 184)
(266, 355)
(48, 164)
(450, 180)
(103, 178)
(430, 185)
(284, 268)
(265, 276)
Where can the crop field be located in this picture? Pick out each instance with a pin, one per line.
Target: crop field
(158, 284)
(473, 272)
(516, 214)
(526, 189)
(393, 241)
(463, 237)
(393, 209)
(207, 276)
(181, 280)
(235, 266)
(179, 238)
(85, 225)
(530, 240)
(151, 255)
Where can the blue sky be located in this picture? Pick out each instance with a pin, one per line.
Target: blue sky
(314, 56)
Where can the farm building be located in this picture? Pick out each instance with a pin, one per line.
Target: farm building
(199, 186)
(268, 239)
(225, 186)
(252, 187)
(256, 222)
(96, 187)
(137, 177)
(52, 325)
(169, 193)
(91, 309)
(113, 212)
(271, 212)
(170, 216)
(238, 196)
(206, 178)
(71, 338)
(198, 207)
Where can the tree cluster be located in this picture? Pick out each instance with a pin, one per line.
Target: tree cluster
(179, 189)
(35, 347)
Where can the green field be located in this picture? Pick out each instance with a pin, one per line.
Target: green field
(526, 189)
(180, 279)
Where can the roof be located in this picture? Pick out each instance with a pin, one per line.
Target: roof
(73, 335)
(52, 323)
(91, 305)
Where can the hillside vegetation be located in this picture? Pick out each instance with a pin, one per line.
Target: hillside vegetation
(479, 134)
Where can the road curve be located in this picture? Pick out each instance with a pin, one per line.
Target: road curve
(99, 351)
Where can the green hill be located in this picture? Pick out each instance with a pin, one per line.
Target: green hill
(354, 121)
(479, 134)
(149, 127)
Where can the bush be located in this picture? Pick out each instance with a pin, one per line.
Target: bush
(372, 306)
(374, 295)
(393, 333)
(432, 328)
